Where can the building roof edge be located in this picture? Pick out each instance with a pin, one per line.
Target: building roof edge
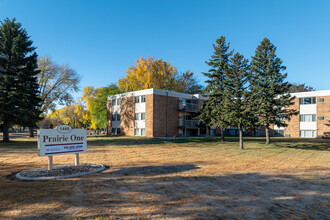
(157, 92)
(311, 93)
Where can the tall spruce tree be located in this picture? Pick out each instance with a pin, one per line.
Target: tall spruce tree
(236, 97)
(19, 89)
(269, 90)
(211, 112)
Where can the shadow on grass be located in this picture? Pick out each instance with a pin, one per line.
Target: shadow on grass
(302, 146)
(154, 170)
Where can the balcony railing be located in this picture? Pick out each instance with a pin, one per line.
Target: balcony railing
(188, 123)
(188, 107)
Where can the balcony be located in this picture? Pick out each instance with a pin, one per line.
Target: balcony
(188, 123)
(188, 107)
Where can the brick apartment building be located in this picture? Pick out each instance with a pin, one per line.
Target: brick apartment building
(161, 113)
(154, 113)
(313, 119)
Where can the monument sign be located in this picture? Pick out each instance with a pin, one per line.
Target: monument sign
(61, 140)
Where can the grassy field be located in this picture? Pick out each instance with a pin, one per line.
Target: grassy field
(173, 179)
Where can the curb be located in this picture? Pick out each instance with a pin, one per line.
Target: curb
(61, 177)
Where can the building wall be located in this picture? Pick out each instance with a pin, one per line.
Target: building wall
(159, 116)
(173, 116)
(293, 127)
(149, 115)
(323, 109)
(155, 122)
(127, 110)
(109, 115)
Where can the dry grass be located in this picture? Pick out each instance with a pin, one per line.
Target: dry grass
(180, 179)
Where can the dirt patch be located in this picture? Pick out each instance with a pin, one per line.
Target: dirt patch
(169, 180)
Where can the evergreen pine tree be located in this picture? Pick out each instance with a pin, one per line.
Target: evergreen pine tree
(211, 112)
(236, 109)
(269, 89)
(18, 77)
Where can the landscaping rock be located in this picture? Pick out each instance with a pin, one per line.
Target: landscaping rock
(61, 171)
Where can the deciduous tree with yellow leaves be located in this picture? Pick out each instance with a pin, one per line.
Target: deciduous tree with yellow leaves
(87, 98)
(95, 103)
(149, 73)
(158, 74)
(73, 115)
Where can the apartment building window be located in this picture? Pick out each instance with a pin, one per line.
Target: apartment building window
(113, 102)
(278, 133)
(143, 98)
(307, 100)
(140, 132)
(116, 117)
(307, 118)
(307, 133)
(140, 116)
(137, 99)
(118, 101)
(115, 131)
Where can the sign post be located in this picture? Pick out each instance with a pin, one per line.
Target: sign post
(50, 162)
(62, 140)
(77, 160)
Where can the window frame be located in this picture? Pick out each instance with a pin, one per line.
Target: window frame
(302, 117)
(136, 132)
(143, 98)
(278, 133)
(313, 132)
(302, 101)
(137, 99)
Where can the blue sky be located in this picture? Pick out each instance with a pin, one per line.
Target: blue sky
(100, 39)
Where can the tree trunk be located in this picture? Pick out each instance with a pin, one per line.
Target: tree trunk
(241, 138)
(267, 135)
(5, 130)
(31, 132)
(222, 135)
